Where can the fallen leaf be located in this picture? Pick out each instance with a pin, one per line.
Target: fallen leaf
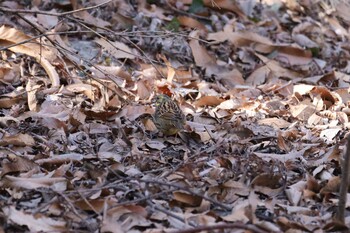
(34, 223)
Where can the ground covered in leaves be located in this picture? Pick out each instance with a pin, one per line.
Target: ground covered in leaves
(264, 87)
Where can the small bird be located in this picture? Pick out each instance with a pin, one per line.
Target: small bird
(168, 117)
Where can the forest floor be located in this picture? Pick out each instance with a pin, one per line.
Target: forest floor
(264, 86)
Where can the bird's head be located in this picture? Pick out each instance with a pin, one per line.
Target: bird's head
(157, 100)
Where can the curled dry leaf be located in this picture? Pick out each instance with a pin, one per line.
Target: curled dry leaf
(239, 213)
(303, 111)
(89, 90)
(282, 143)
(155, 145)
(117, 49)
(59, 159)
(294, 192)
(283, 157)
(43, 54)
(17, 164)
(57, 184)
(186, 198)
(200, 54)
(133, 112)
(11, 99)
(32, 89)
(96, 205)
(17, 140)
(34, 223)
(275, 122)
(153, 11)
(207, 101)
(304, 41)
(329, 134)
(268, 180)
(191, 23)
(226, 5)
(129, 216)
(143, 90)
(6, 120)
(332, 185)
(229, 104)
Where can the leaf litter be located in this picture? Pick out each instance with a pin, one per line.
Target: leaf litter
(264, 87)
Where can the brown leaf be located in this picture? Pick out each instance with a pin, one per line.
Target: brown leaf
(275, 122)
(57, 184)
(332, 185)
(42, 54)
(96, 205)
(62, 158)
(155, 145)
(224, 4)
(191, 23)
(117, 49)
(17, 140)
(186, 198)
(268, 180)
(207, 101)
(283, 157)
(89, 90)
(32, 89)
(200, 54)
(34, 223)
(17, 164)
(282, 143)
(294, 192)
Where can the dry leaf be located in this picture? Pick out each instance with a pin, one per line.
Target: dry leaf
(187, 198)
(117, 49)
(17, 140)
(43, 54)
(200, 54)
(34, 223)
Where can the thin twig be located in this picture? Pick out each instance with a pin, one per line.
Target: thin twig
(87, 202)
(225, 207)
(76, 65)
(109, 42)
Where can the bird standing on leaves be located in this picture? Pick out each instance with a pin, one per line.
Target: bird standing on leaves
(168, 117)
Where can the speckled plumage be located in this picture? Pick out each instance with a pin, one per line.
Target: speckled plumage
(168, 117)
